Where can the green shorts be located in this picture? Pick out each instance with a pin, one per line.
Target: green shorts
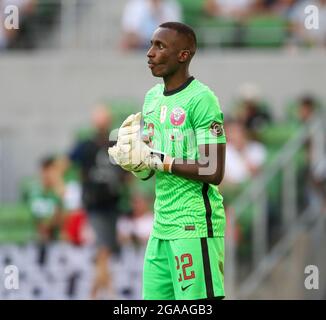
(184, 269)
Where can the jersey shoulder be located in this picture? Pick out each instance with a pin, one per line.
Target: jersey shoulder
(200, 90)
(205, 107)
(152, 95)
(154, 92)
(203, 99)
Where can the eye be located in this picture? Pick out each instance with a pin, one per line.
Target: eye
(160, 46)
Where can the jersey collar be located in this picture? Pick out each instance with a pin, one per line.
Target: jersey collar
(183, 86)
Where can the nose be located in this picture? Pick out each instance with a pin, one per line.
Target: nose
(150, 52)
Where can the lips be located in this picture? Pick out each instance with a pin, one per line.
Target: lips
(151, 65)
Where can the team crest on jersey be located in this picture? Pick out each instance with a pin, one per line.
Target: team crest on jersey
(178, 116)
(164, 110)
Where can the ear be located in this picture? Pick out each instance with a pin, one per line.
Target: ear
(184, 56)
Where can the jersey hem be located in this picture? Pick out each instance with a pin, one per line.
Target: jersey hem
(198, 236)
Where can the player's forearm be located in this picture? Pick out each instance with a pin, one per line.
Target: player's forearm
(195, 170)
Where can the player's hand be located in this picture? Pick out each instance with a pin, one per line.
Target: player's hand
(123, 152)
(130, 151)
(132, 154)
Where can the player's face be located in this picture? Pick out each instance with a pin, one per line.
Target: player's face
(163, 55)
(48, 176)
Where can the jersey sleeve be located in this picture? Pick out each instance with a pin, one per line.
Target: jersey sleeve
(208, 119)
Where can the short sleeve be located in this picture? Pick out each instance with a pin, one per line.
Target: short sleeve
(208, 119)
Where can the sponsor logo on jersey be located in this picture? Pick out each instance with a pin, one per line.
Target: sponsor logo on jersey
(164, 110)
(149, 112)
(178, 116)
(186, 287)
(216, 129)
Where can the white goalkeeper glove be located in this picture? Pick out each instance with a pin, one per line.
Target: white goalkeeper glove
(132, 154)
(121, 152)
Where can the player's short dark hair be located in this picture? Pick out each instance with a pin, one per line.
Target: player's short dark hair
(183, 29)
(308, 100)
(47, 162)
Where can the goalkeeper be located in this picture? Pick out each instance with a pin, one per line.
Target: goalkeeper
(183, 125)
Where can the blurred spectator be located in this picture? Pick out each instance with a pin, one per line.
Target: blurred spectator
(101, 191)
(46, 203)
(298, 16)
(283, 7)
(133, 233)
(270, 7)
(136, 228)
(251, 110)
(244, 158)
(141, 18)
(312, 172)
(318, 173)
(307, 108)
(76, 229)
(234, 9)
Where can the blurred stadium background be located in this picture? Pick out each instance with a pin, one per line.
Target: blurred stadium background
(269, 74)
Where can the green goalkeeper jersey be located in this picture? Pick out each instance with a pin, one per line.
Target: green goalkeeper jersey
(177, 122)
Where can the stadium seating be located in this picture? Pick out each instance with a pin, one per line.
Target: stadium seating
(265, 31)
(16, 223)
(67, 271)
(222, 32)
(260, 31)
(192, 11)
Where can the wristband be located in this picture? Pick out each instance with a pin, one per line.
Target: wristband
(143, 174)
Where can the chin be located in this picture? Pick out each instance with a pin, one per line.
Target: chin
(157, 74)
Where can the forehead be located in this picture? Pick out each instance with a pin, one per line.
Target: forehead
(166, 35)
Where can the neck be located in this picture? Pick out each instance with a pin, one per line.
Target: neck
(175, 80)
